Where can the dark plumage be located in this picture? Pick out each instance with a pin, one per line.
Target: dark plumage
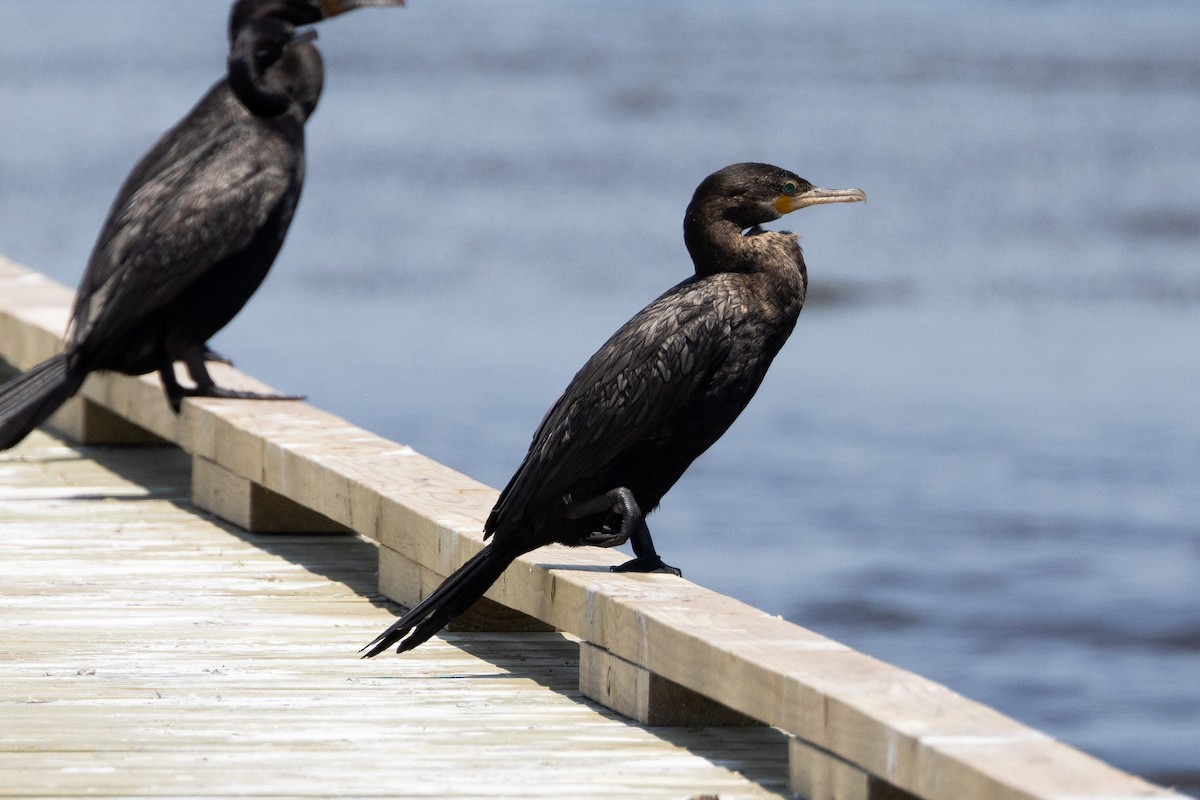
(196, 225)
(659, 393)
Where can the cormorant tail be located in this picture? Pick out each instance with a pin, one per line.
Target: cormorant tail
(456, 594)
(29, 398)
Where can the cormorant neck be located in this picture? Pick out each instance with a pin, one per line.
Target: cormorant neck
(715, 243)
(269, 74)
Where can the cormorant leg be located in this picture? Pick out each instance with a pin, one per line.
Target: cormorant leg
(194, 359)
(206, 387)
(171, 385)
(621, 504)
(647, 559)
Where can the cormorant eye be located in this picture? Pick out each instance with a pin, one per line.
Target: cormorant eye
(789, 188)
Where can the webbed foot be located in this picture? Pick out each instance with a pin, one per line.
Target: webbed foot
(236, 394)
(654, 564)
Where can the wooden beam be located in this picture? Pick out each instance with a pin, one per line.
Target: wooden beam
(250, 506)
(84, 422)
(650, 699)
(407, 582)
(817, 775)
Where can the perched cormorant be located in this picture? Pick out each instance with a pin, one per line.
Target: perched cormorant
(654, 397)
(197, 223)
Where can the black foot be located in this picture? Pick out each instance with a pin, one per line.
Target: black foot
(205, 386)
(176, 393)
(236, 394)
(654, 564)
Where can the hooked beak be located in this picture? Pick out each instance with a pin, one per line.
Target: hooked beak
(331, 8)
(786, 204)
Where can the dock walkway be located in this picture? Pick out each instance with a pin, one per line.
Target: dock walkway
(147, 649)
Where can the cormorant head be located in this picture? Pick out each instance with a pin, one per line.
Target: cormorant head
(741, 197)
(750, 194)
(262, 34)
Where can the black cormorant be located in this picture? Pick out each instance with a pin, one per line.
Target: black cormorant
(197, 223)
(662, 390)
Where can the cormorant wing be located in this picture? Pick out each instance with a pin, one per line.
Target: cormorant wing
(178, 225)
(216, 111)
(626, 393)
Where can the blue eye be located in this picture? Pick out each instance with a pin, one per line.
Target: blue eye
(789, 188)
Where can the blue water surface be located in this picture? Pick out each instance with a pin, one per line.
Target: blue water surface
(979, 456)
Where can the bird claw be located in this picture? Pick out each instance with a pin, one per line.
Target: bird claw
(606, 537)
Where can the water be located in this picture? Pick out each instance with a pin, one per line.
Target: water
(979, 456)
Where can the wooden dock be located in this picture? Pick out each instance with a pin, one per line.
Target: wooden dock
(152, 649)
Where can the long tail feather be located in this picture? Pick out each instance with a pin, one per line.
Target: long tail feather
(456, 594)
(29, 398)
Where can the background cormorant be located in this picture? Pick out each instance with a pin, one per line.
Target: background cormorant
(196, 225)
(659, 392)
